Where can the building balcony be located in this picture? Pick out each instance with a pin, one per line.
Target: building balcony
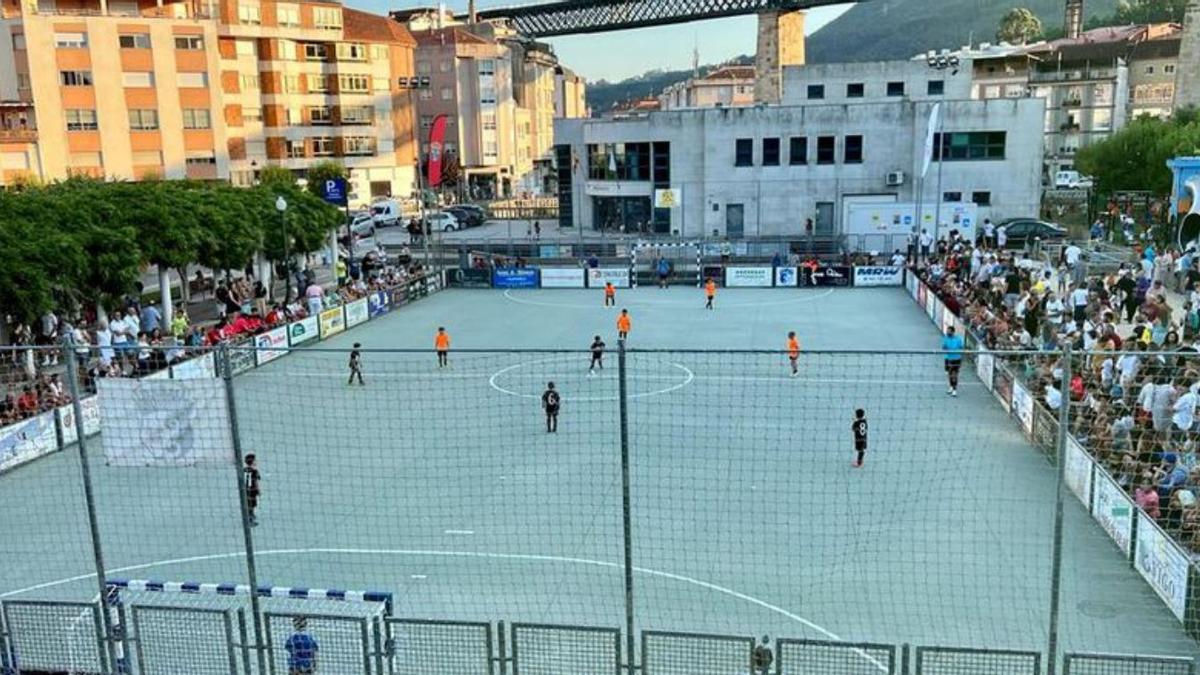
(18, 135)
(1073, 75)
(188, 9)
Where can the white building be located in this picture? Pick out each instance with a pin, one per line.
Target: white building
(763, 170)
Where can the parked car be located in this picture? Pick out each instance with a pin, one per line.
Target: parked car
(1072, 180)
(363, 224)
(467, 215)
(386, 213)
(1020, 230)
(446, 222)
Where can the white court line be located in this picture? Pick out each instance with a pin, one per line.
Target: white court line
(471, 554)
(688, 378)
(641, 301)
(634, 377)
(459, 532)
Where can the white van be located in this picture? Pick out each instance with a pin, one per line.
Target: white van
(1071, 180)
(386, 213)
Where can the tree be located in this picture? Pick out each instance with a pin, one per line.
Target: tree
(322, 171)
(1135, 158)
(1019, 26)
(1149, 11)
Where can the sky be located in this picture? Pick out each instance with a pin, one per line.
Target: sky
(615, 56)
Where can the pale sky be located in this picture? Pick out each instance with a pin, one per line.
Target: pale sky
(615, 56)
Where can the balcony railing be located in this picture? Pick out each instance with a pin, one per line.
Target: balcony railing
(1073, 75)
(18, 135)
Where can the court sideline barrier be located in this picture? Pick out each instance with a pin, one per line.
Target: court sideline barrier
(55, 430)
(731, 276)
(1161, 562)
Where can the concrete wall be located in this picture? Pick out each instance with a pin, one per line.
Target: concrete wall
(777, 199)
(780, 44)
(874, 76)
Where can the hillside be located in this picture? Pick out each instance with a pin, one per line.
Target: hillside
(895, 29)
(602, 95)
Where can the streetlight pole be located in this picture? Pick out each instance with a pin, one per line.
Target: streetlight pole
(411, 84)
(281, 206)
(940, 62)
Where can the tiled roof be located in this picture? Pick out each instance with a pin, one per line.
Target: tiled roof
(447, 36)
(367, 27)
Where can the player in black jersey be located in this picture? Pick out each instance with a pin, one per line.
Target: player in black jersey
(859, 428)
(550, 403)
(597, 356)
(250, 471)
(356, 365)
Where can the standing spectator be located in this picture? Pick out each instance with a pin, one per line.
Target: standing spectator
(179, 323)
(302, 649)
(1079, 305)
(314, 294)
(989, 233)
(1001, 237)
(926, 241)
(151, 319)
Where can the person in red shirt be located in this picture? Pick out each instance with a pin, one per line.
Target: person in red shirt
(27, 404)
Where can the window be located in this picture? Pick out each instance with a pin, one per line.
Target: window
(855, 90)
(379, 52)
(85, 159)
(70, 40)
(134, 41)
(327, 17)
(447, 93)
(1101, 120)
(322, 147)
(968, 146)
(354, 83)
(826, 149)
(18, 41)
(1149, 70)
(288, 16)
(423, 67)
(248, 82)
(316, 51)
(245, 48)
(852, 151)
(1169, 68)
(358, 145)
(951, 196)
(293, 148)
(935, 87)
(619, 161)
(488, 121)
(294, 116)
(196, 118)
(81, 120)
(358, 114)
(427, 121)
(798, 151)
(319, 115)
(816, 91)
(426, 95)
(486, 66)
(895, 88)
(770, 150)
(185, 80)
(981, 198)
(744, 152)
(291, 83)
(200, 158)
(135, 79)
(318, 83)
(147, 158)
(189, 42)
(75, 78)
(249, 15)
(143, 120)
(251, 115)
(351, 51)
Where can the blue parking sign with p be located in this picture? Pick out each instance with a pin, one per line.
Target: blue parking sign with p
(333, 190)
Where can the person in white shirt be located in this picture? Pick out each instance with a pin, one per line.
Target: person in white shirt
(1145, 397)
(1053, 397)
(1071, 254)
(1054, 309)
(989, 232)
(1128, 366)
(1160, 406)
(898, 259)
(1185, 409)
(104, 340)
(1106, 372)
(1079, 303)
(1001, 236)
(926, 243)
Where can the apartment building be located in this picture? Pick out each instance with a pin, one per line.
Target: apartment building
(570, 94)
(204, 90)
(727, 86)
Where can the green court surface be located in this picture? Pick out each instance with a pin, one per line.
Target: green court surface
(442, 486)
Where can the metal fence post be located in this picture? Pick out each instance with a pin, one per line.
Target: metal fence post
(110, 640)
(627, 521)
(251, 571)
(1064, 418)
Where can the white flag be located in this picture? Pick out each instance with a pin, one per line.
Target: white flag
(165, 422)
(934, 115)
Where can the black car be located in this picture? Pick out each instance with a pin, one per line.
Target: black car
(468, 215)
(1020, 230)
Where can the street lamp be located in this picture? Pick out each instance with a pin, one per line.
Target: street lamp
(412, 84)
(281, 207)
(941, 62)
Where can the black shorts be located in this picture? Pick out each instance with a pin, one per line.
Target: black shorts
(252, 499)
(1080, 313)
(953, 366)
(860, 446)
(552, 411)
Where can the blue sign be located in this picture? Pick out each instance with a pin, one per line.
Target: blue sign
(379, 303)
(515, 277)
(334, 191)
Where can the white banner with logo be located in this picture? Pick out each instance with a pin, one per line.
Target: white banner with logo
(1078, 471)
(1023, 406)
(303, 330)
(91, 419)
(1112, 508)
(878, 276)
(271, 345)
(357, 312)
(27, 440)
(201, 367)
(749, 277)
(617, 276)
(1162, 564)
(563, 277)
(787, 277)
(985, 368)
(166, 423)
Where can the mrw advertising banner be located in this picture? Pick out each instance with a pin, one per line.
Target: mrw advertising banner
(166, 423)
(878, 276)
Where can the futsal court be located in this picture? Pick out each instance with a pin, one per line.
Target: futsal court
(442, 486)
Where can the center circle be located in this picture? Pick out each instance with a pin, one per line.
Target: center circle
(576, 382)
